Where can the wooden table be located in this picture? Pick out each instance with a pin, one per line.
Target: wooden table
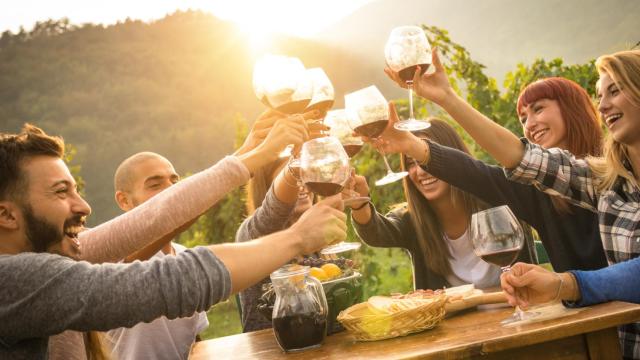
(589, 334)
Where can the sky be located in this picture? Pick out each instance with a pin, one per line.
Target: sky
(303, 18)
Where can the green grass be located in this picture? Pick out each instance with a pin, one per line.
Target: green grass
(384, 270)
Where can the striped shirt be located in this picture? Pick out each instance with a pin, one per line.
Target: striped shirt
(557, 172)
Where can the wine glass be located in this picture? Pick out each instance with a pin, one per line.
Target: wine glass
(324, 169)
(281, 83)
(323, 94)
(322, 99)
(406, 49)
(498, 238)
(371, 116)
(339, 122)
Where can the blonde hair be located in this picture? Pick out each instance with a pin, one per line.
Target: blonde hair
(624, 69)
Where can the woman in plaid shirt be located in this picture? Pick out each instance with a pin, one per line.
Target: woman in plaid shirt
(607, 185)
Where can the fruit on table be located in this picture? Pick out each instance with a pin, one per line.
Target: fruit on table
(318, 273)
(331, 270)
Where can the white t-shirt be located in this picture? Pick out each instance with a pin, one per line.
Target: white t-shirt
(467, 267)
(159, 339)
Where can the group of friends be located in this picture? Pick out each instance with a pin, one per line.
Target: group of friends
(124, 290)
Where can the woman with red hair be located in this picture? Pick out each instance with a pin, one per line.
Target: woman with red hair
(554, 112)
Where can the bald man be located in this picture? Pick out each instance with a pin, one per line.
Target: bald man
(137, 179)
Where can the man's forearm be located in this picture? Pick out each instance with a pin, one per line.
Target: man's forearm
(252, 261)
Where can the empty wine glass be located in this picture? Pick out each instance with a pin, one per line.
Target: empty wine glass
(281, 83)
(371, 116)
(406, 49)
(498, 238)
(324, 170)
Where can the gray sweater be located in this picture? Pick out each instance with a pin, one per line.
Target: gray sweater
(273, 215)
(45, 294)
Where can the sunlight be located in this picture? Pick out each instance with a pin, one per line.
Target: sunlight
(301, 18)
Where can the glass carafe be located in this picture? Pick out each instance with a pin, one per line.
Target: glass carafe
(300, 310)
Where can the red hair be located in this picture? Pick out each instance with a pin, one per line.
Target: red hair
(584, 133)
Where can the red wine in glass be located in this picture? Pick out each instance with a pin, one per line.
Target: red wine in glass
(406, 74)
(501, 258)
(324, 188)
(372, 129)
(352, 149)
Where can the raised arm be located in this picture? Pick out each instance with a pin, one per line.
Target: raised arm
(185, 201)
(503, 145)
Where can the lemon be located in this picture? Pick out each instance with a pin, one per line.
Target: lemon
(318, 274)
(332, 270)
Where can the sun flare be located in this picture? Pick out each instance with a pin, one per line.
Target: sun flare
(301, 18)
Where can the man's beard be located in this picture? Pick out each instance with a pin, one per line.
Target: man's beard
(43, 235)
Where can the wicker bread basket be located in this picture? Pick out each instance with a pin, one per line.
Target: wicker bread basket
(369, 323)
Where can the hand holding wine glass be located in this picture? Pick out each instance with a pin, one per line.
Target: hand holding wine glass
(325, 170)
(371, 119)
(393, 141)
(407, 52)
(528, 284)
(431, 86)
(498, 238)
(286, 131)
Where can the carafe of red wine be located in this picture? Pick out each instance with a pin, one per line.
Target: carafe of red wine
(300, 310)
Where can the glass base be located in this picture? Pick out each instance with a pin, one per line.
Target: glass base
(519, 315)
(391, 177)
(411, 125)
(340, 247)
(356, 200)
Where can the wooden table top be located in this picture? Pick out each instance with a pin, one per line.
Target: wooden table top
(463, 335)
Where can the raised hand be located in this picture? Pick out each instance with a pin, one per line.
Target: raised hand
(290, 130)
(393, 140)
(322, 225)
(431, 86)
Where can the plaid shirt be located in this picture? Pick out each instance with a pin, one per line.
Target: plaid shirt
(557, 172)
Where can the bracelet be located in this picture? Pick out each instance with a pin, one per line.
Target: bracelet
(360, 207)
(557, 297)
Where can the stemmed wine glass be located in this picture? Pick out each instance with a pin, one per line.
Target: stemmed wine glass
(324, 169)
(281, 83)
(323, 94)
(339, 122)
(406, 49)
(498, 238)
(371, 112)
(322, 99)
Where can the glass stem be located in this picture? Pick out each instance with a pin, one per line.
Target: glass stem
(386, 162)
(410, 87)
(517, 312)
